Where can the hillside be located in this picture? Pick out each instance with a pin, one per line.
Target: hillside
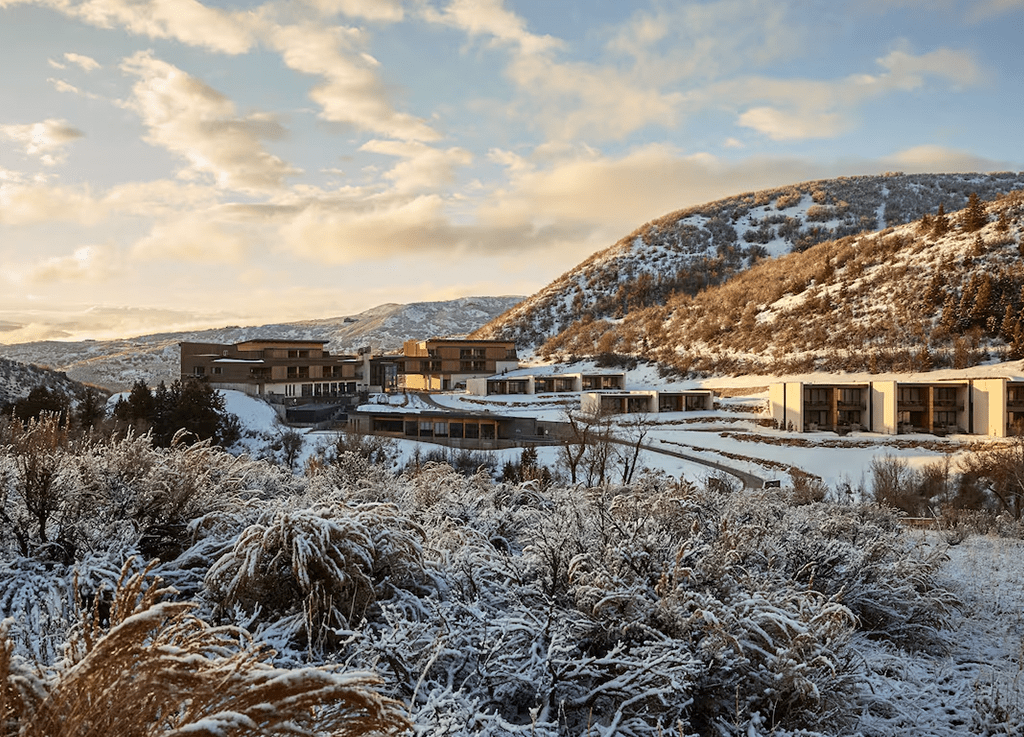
(929, 294)
(117, 364)
(18, 379)
(690, 250)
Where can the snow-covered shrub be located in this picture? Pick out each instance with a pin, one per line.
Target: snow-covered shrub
(155, 668)
(320, 569)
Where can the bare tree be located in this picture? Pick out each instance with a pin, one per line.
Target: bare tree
(1000, 468)
(637, 428)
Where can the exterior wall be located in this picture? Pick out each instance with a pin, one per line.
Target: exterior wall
(794, 411)
(989, 399)
(456, 430)
(883, 407)
(281, 367)
(777, 403)
(440, 365)
(616, 403)
(685, 401)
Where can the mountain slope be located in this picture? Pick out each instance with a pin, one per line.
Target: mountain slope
(690, 250)
(117, 364)
(909, 298)
(18, 379)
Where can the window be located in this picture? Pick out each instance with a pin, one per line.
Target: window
(199, 370)
(217, 371)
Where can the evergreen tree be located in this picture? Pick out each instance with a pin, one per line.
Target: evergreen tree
(1008, 327)
(91, 410)
(933, 292)
(140, 403)
(925, 225)
(42, 399)
(981, 309)
(974, 217)
(1003, 225)
(941, 224)
(950, 319)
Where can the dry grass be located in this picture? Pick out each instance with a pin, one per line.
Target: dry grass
(156, 669)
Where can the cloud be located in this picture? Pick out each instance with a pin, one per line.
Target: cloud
(26, 204)
(804, 108)
(346, 233)
(86, 264)
(490, 18)
(44, 139)
(927, 159)
(782, 125)
(381, 11)
(694, 42)
(87, 63)
(423, 168)
(191, 239)
(193, 120)
(351, 91)
(187, 21)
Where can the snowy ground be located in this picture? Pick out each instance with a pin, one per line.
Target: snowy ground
(975, 687)
(732, 435)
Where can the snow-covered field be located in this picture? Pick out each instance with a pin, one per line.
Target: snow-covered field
(491, 608)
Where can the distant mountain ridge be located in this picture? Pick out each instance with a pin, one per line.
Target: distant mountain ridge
(117, 364)
(698, 247)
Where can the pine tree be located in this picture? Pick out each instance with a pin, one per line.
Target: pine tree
(974, 217)
(978, 246)
(1009, 324)
(1003, 225)
(981, 309)
(90, 410)
(933, 292)
(941, 225)
(950, 319)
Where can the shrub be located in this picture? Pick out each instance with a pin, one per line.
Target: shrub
(155, 668)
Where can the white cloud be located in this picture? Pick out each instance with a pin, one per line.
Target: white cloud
(191, 239)
(351, 92)
(85, 62)
(490, 18)
(781, 125)
(186, 21)
(423, 168)
(929, 158)
(805, 108)
(44, 139)
(86, 264)
(193, 120)
(705, 41)
(389, 11)
(26, 204)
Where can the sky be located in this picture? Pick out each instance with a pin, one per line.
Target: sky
(175, 164)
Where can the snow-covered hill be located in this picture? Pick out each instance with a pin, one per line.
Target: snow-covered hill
(908, 298)
(18, 379)
(689, 250)
(117, 364)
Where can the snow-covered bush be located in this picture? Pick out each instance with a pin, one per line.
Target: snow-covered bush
(320, 569)
(155, 668)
